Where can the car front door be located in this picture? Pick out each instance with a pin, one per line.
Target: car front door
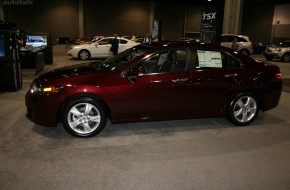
(102, 49)
(162, 91)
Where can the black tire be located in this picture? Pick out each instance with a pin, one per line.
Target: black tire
(84, 54)
(84, 117)
(243, 109)
(245, 52)
(269, 58)
(286, 57)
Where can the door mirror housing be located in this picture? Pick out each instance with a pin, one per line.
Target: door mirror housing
(136, 71)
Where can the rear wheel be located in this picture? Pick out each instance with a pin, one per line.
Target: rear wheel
(84, 54)
(243, 109)
(245, 52)
(286, 57)
(84, 117)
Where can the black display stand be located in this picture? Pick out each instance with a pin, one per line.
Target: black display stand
(33, 41)
(36, 51)
(10, 76)
(48, 55)
(10, 65)
(32, 60)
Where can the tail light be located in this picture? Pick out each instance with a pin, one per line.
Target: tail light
(278, 76)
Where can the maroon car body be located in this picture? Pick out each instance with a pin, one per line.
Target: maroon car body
(201, 81)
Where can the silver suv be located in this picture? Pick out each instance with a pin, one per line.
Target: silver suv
(282, 52)
(244, 45)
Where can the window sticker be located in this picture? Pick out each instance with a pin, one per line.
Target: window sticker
(209, 59)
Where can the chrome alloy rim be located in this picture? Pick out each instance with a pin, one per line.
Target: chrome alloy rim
(84, 54)
(287, 58)
(84, 118)
(245, 109)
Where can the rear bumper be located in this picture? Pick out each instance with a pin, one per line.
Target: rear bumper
(272, 96)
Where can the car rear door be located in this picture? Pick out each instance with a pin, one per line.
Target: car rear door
(123, 45)
(216, 78)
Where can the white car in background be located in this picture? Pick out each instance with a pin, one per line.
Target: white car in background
(244, 45)
(99, 48)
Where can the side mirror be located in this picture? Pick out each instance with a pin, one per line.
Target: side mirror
(136, 71)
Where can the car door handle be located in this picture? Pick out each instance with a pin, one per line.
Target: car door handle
(180, 80)
(230, 75)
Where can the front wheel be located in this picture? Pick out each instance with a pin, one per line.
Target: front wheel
(84, 117)
(245, 52)
(243, 110)
(286, 57)
(84, 54)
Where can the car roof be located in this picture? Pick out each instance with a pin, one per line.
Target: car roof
(114, 37)
(180, 44)
(110, 37)
(241, 35)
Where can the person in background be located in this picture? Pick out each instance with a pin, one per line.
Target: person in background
(114, 45)
(235, 44)
(147, 39)
(19, 38)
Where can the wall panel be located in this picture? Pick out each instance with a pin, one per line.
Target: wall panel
(60, 18)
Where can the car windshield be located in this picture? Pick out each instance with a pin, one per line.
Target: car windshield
(122, 58)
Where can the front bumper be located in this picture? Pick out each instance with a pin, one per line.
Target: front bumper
(273, 54)
(42, 110)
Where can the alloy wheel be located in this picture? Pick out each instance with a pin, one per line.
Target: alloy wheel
(84, 118)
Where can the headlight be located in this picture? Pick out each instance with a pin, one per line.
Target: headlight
(35, 89)
(48, 89)
(278, 49)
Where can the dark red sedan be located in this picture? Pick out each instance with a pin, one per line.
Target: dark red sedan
(157, 81)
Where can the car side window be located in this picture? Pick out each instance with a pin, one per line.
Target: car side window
(241, 39)
(104, 42)
(172, 61)
(227, 39)
(230, 39)
(208, 59)
(223, 39)
(123, 41)
(178, 61)
(229, 62)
